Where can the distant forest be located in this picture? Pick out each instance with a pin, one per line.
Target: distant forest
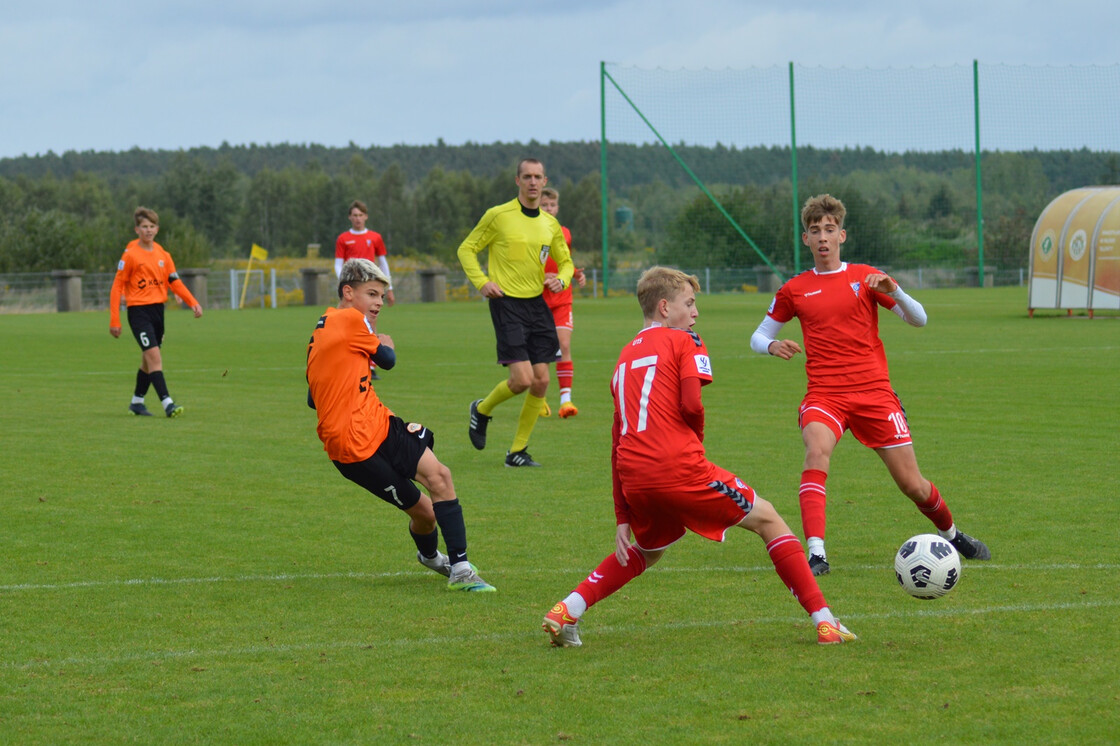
(910, 209)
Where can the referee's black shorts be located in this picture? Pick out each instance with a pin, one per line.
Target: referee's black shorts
(524, 329)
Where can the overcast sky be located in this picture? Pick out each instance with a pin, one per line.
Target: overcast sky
(111, 75)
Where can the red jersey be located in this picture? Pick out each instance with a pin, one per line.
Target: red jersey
(352, 420)
(365, 245)
(655, 445)
(562, 298)
(143, 278)
(840, 325)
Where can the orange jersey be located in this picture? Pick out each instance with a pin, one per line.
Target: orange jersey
(352, 420)
(143, 277)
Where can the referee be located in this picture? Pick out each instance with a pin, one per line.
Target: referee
(519, 237)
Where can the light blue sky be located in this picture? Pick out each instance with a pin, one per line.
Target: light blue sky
(111, 75)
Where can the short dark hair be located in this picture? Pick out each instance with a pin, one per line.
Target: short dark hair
(361, 207)
(523, 161)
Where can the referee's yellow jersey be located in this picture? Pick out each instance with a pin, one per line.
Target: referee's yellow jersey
(518, 244)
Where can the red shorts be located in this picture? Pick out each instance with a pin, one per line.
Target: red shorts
(660, 515)
(562, 315)
(876, 417)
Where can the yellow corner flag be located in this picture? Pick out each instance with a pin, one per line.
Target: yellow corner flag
(259, 253)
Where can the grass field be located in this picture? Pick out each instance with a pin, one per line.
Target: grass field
(212, 579)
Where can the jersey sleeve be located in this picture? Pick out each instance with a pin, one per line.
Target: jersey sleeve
(120, 284)
(564, 267)
(475, 242)
(177, 285)
(781, 308)
(694, 359)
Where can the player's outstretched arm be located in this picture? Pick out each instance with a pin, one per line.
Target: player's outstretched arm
(764, 340)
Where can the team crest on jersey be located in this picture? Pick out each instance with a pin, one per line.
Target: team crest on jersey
(120, 265)
(703, 364)
(160, 262)
(544, 252)
(855, 288)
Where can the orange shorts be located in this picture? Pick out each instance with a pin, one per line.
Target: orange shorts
(562, 315)
(661, 515)
(876, 417)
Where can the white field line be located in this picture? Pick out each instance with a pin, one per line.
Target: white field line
(9, 373)
(529, 631)
(290, 577)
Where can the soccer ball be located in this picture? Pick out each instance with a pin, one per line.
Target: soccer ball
(927, 566)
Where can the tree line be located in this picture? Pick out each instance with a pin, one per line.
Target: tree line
(74, 210)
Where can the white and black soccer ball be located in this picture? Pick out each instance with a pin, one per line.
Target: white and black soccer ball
(927, 566)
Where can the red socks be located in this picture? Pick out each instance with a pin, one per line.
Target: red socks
(609, 576)
(812, 499)
(789, 560)
(936, 510)
(564, 373)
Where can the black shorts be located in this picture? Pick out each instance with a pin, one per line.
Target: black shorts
(389, 472)
(524, 329)
(146, 323)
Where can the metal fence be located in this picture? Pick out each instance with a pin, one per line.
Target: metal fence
(36, 292)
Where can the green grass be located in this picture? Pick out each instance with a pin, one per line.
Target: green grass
(212, 579)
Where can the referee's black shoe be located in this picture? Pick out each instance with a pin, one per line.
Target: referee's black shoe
(520, 458)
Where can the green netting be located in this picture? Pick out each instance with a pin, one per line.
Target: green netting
(702, 166)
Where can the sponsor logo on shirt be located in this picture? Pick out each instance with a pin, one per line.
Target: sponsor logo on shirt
(703, 364)
(815, 292)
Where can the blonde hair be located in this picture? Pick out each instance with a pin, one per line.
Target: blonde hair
(658, 283)
(358, 272)
(550, 192)
(816, 208)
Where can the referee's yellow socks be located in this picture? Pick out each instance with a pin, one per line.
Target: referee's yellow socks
(530, 411)
(500, 394)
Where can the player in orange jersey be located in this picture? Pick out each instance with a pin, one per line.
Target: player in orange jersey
(849, 385)
(144, 274)
(367, 443)
(561, 306)
(663, 484)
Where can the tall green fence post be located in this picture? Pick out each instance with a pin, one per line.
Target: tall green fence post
(979, 180)
(603, 197)
(793, 177)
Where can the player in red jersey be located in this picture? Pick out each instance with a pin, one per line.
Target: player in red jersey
(561, 306)
(849, 385)
(663, 484)
(361, 243)
(144, 275)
